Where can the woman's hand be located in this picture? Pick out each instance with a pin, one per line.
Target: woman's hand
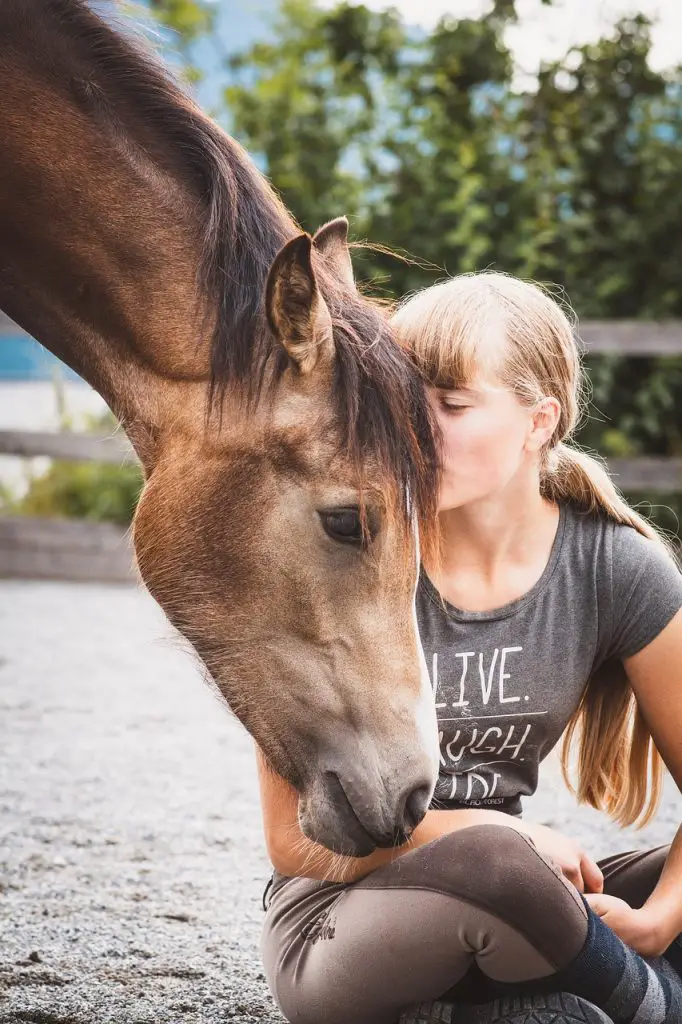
(569, 856)
(640, 929)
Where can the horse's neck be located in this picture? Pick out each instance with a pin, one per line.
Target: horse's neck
(97, 254)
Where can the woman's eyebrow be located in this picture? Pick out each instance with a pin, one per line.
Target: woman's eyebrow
(450, 386)
(462, 389)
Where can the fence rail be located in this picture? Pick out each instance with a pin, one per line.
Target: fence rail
(632, 337)
(62, 549)
(70, 447)
(659, 474)
(620, 337)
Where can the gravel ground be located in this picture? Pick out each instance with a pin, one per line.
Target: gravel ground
(131, 860)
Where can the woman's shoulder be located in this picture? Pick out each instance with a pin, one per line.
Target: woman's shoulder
(627, 551)
(638, 580)
(633, 554)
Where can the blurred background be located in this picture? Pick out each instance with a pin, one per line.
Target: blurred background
(539, 138)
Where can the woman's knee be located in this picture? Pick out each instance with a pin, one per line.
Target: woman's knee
(494, 867)
(494, 862)
(485, 857)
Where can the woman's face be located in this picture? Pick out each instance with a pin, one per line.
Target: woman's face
(486, 432)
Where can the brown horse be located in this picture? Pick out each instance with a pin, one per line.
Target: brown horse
(285, 438)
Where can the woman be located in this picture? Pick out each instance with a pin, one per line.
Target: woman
(554, 606)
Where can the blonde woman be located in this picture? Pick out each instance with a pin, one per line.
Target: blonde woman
(554, 608)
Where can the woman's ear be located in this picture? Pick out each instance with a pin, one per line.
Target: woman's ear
(544, 422)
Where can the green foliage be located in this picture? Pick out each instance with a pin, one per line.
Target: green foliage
(311, 113)
(188, 18)
(83, 490)
(6, 496)
(80, 490)
(663, 512)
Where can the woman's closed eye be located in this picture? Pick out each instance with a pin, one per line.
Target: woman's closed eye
(456, 400)
(454, 406)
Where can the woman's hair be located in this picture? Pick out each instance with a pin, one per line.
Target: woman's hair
(514, 333)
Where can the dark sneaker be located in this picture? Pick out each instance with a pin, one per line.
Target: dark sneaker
(561, 1008)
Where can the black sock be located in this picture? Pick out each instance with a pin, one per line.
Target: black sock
(619, 981)
(673, 955)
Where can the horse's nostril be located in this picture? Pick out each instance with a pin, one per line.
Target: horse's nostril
(416, 806)
(385, 826)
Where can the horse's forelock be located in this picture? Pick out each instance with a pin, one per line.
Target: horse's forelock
(381, 404)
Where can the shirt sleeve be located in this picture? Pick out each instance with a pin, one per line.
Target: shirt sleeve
(646, 591)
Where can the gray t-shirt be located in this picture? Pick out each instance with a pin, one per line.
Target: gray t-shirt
(507, 682)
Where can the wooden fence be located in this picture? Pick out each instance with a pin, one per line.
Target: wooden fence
(76, 550)
(60, 549)
(65, 549)
(113, 449)
(632, 337)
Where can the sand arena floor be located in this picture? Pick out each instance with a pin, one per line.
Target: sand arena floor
(131, 859)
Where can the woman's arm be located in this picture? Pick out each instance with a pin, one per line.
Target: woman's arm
(655, 673)
(292, 853)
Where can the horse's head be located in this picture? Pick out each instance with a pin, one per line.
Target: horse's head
(282, 542)
(285, 437)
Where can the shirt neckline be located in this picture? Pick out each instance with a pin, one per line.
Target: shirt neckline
(512, 607)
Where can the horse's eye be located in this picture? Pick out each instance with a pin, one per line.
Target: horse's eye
(343, 524)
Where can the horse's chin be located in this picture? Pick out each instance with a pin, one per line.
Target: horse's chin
(335, 826)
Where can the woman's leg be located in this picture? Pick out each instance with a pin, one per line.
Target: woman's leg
(634, 876)
(631, 877)
(411, 930)
(483, 898)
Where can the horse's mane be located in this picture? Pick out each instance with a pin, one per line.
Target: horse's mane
(379, 396)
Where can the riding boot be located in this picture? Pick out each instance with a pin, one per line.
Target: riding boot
(558, 1008)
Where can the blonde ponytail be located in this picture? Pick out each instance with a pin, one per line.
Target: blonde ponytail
(574, 476)
(452, 330)
(619, 770)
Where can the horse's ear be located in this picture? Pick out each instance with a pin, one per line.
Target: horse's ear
(297, 313)
(332, 241)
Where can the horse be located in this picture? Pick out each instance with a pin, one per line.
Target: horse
(288, 451)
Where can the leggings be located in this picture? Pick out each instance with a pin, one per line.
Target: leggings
(472, 908)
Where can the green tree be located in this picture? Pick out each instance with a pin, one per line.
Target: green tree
(601, 148)
(601, 145)
(190, 19)
(352, 113)
(186, 20)
(310, 104)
